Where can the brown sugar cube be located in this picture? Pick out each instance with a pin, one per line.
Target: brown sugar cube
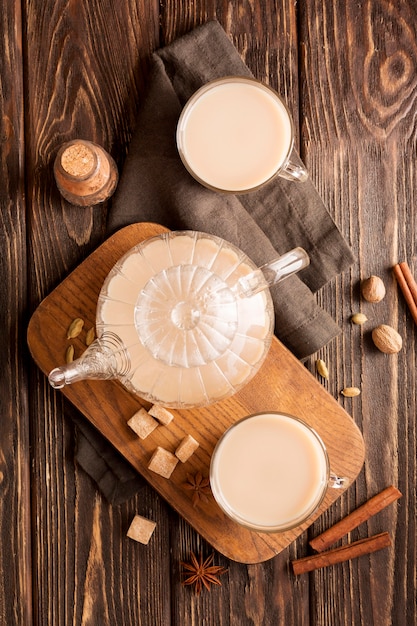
(161, 414)
(141, 529)
(142, 423)
(186, 448)
(163, 462)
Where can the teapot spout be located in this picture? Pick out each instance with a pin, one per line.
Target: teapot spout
(104, 359)
(272, 273)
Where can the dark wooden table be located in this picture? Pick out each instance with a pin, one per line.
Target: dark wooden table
(348, 71)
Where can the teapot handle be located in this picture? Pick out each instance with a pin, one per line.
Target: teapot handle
(272, 273)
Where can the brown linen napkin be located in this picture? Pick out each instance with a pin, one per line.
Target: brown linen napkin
(154, 186)
(114, 476)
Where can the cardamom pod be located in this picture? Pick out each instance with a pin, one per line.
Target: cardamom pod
(69, 354)
(75, 328)
(90, 336)
(350, 392)
(359, 318)
(321, 368)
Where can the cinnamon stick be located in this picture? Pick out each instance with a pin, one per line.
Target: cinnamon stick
(339, 555)
(358, 516)
(408, 286)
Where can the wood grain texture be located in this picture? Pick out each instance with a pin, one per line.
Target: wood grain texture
(349, 69)
(86, 67)
(358, 101)
(15, 514)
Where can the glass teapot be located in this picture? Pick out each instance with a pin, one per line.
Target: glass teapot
(184, 319)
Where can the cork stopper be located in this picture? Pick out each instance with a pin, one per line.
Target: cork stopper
(85, 173)
(78, 160)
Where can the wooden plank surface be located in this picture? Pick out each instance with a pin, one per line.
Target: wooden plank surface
(85, 71)
(358, 110)
(348, 72)
(15, 511)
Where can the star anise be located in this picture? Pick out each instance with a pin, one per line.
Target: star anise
(200, 486)
(201, 573)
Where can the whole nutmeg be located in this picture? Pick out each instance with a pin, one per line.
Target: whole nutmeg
(373, 289)
(387, 339)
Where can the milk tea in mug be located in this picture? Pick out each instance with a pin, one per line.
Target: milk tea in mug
(270, 471)
(235, 134)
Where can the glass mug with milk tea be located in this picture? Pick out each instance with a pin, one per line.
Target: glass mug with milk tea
(270, 471)
(235, 134)
(184, 319)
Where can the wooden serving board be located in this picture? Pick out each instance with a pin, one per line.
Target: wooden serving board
(282, 384)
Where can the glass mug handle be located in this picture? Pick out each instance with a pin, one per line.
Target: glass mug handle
(337, 482)
(293, 171)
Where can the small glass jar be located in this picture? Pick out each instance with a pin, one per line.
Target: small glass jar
(85, 173)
